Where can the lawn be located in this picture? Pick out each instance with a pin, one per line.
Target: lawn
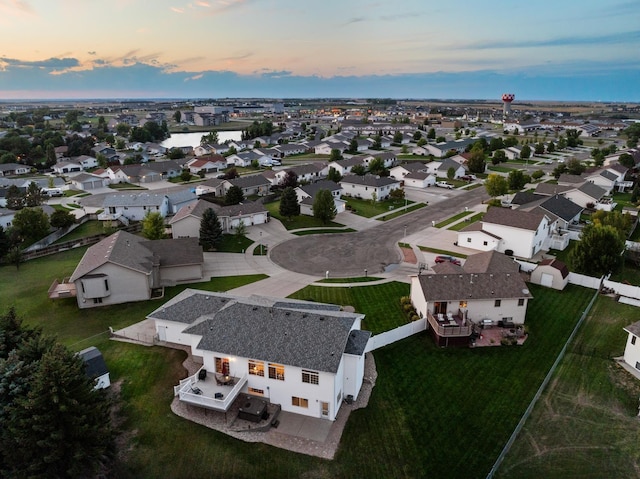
(297, 222)
(467, 222)
(585, 423)
(396, 213)
(126, 186)
(234, 244)
(453, 218)
(380, 315)
(89, 228)
(369, 209)
(441, 251)
(434, 412)
(360, 279)
(324, 231)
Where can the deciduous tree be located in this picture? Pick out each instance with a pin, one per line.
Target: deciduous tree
(324, 207)
(599, 250)
(153, 227)
(62, 219)
(32, 224)
(496, 185)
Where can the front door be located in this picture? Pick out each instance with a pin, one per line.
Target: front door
(324, 409)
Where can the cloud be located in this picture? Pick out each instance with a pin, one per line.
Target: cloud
(275, 74)
(233, 58)
(176, 9)
(203, 4)
(50, 63)
(353, 20)
(194, 77)
(91, 53)
(607, 39)
(16, 7)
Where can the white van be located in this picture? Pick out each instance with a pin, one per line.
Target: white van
(53, 192)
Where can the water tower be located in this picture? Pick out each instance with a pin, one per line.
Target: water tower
(507, 98)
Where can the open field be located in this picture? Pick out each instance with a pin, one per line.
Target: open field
(585, 424)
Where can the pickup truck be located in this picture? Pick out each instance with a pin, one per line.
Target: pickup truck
(444, 184)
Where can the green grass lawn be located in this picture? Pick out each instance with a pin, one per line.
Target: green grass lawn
(368, 209)
(90, 228)
(453, 218)
(396, 213)
(126, 186)
(297, 222)
(382, 315)
(360, 279)
(441, 251)
(324, 231)
(585, 423)
(233, 244)
(467, 222)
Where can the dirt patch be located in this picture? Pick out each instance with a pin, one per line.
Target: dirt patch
(409, 256)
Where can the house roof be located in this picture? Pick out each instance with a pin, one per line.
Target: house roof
(609, 175)
(633, 328)
(308, 168)
(552, 189)
(133, 199)
(618, 167)
(557, 264)
(490, 262)
(413, 166)
(369, 180)
(176, 252)
(592, 190)
(357, 342)
(93, 362)
(281, 332)
(249, 181)
(83, 177)
(121, 248)
(467, 286)
(181, 196)
(312, 188)
(514, 218)
(198, 208)
(571, 179)
(525, 197)
(561, 207)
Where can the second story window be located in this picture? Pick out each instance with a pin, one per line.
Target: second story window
(310, 377)
(276, 371)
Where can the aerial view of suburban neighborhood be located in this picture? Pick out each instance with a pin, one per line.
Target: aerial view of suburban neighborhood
(221, 261)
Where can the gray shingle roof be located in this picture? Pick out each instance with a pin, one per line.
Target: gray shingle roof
(287, 332)
(133, 199)
(552, 189)
(514, 218)
(249, 181)
(369, 180)
(176, 252)
(456, 287)
(592, 190)
(490, 262)
(562, 207)
(357, 342)
(633, 328)
(93, 362)
(312, 188)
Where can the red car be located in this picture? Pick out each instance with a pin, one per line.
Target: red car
(447, 259)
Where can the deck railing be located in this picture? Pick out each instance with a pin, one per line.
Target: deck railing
(455, 331)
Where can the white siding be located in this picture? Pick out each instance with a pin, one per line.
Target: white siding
(632, 351)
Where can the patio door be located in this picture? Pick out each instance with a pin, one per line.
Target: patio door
(440, 307)
(222, 366)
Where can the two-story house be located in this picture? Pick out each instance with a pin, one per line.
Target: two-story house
(368, 186)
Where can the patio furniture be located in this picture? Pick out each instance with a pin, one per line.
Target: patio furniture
(196, 390)
(202, 374)
(219, 381)
(218, 395)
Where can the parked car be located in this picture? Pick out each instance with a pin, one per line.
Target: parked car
(444, 184)
(447, 259)
(469, 177)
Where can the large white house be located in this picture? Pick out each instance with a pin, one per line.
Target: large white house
(133, 206)
(632, 349)
(307, 193)
(522, 233)
(306, 357)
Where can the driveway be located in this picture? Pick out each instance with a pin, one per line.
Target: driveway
(374, 249)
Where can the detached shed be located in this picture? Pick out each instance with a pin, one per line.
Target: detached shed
(551, 273)
(95, 367)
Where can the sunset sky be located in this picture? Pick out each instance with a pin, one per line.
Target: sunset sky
(542, 50)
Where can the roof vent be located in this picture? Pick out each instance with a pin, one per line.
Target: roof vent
(288, 313)
(255, 308)
(322, 318)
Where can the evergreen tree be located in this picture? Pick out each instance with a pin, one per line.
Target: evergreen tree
(334, 175)
(54, 424)
(234, 196)
(5, 242)
(210, 230)
(289, 203)
(15, 199)
(324, 208)
(34, 196)
(153, 226)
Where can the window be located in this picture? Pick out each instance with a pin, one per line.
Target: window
(97, 300)
(463, 304)
(222, 366)
(310, 377)
(633, 340)
(300, 402)
(339, 397)
(256, 368)
(485, 243)
(276, 371)
(497, 303)
(106, 285)
(521, 302)
(256, 391)
(468, 240)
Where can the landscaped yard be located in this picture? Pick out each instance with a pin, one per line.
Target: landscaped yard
(434, 412)
(90, 228)
(296, 222)
(585, 424)
(453, 219)
(234, 244)
(369, 209)
(467, 222)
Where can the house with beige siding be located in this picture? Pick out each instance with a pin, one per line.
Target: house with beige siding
(123, 268)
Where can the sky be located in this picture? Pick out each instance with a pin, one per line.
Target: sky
(561, 50)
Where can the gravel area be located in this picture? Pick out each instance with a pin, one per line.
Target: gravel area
(229, 423)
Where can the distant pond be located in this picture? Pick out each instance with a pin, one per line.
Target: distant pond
(193, 139)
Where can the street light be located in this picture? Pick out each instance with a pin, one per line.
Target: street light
(405, 233)
(261, 243)
(365, 272)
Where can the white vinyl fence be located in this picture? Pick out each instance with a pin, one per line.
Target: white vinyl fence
(388, 337)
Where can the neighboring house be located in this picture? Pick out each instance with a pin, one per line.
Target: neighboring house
(86, 162)
(133, 206)
(147, 173)
(366, 186)
(95, 368)
(325, 147)
(586, 195)
(65, 167)
(186, 222)
(344, 166)
(290, 149)
(413, 174)
(124, 267)
(87, 182)
(306, 173)
(181, 198)
(206, 164)
(388, 158)
(440, 150)
(442, 170)
(306, 357)
(551, 273)
(250, 185)
(307, 194)
(632, 348)
(6, 217)
(13, 169)
(487, 290)
(212, 186)
(521, 233)
(245, 158)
